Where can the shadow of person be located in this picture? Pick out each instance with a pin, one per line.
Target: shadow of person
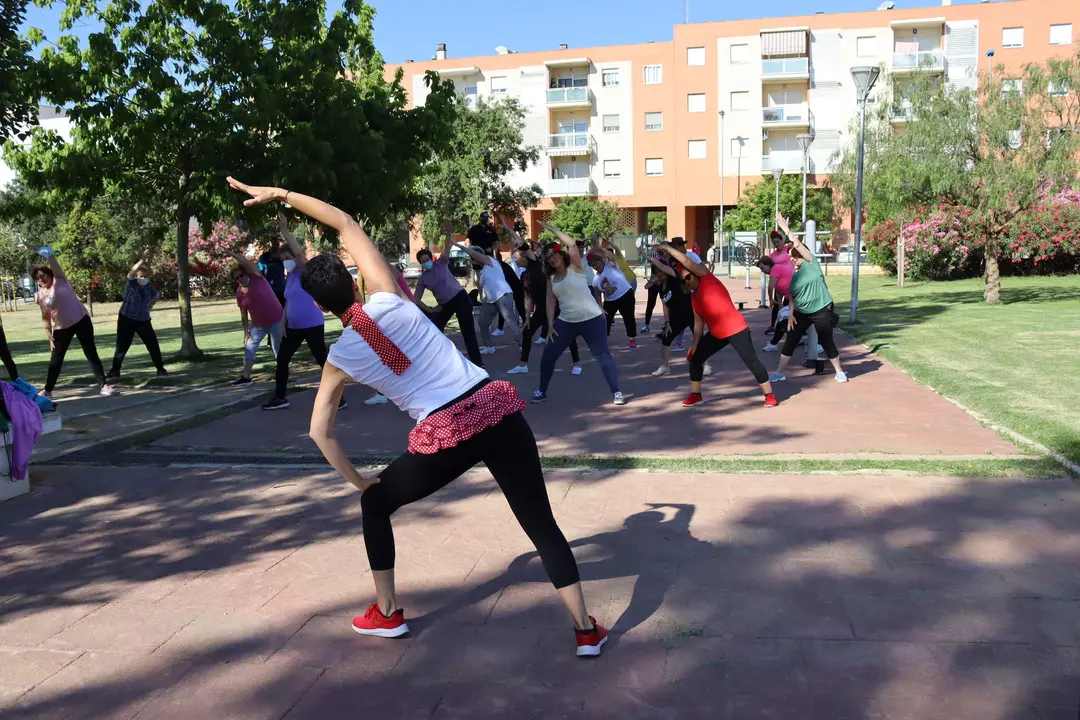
(649, 547)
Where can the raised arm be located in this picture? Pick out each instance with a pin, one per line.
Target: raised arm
(249, 267)
(696, 268)
(294, 246)
(662, 267)
(797, 245)
(135, 269)
(518, 242)
(476, 255)
(568, 242)
(369, 262)
(50, 259)
(448, 231)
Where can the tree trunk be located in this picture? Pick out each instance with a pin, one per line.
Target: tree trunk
(992, 291)
(188, 349)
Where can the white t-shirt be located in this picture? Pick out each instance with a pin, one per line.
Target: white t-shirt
(693, 256)
(493, 283)
(438, 373)
(576, 301)
(518, 270)
(612, 282)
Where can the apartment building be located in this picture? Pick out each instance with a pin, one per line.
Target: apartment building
(684, 126)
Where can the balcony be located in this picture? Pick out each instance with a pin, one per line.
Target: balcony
(569, 97)
(920, 61)
(789, 161)
(569, 187)
(570, 144)
(781, 69)
(786, 116)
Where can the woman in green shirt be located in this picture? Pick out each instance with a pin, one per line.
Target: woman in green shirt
(811, 304)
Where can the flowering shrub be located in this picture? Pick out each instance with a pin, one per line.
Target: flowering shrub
(880, 241)
(1045, 238)
(209, 257)
(939, 244)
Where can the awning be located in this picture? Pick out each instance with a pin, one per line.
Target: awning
(785, 42)
(918, 22)
(567, 62)
(471, 70)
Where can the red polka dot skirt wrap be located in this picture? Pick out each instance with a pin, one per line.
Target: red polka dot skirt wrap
(483, 409)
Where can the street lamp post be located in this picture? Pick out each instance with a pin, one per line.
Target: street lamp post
(864, 77)
(777, 173)
(990, 61)
(720, 235)
(804, 142)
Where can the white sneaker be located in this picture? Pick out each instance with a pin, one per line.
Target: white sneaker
(518, 370)
(497, 333)
(107, 390)
(777, 377)
(769, 347)
(841, 377)
(708, 370)
(619, 399)
(377, 399)
(487, 350)
(661, 371)
(644, 329)
(576, 370)
(539, 340)
(820, 350)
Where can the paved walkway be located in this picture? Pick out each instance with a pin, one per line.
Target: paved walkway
(215, 593)
(880, 410)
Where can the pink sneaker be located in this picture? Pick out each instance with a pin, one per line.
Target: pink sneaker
(107, 390)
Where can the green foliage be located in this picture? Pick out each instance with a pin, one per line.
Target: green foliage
(584, 218)
(15, 259)
(657, 223)
(757, 205)
(468, 175)
(16, 102)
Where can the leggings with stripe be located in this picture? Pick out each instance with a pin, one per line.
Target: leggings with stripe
(504, 306)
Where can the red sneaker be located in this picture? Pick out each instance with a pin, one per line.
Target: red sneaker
(693, 399)
(633, 343)
(590, 642)
(771, 401)
(373, 622)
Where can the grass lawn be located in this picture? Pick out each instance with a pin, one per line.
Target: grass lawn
(1018, 363)
(217, 330)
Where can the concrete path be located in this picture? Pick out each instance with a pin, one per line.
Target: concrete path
(213, 593)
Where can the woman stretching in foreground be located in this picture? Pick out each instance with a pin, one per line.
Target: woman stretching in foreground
(463, 417)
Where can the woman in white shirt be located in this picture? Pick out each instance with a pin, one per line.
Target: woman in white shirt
(497, 298)
(580, 314)
(618, 294)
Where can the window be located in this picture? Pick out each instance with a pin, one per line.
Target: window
(740, 54)
(866, 46)
(1012, 37)
(610, 77)
(611, 123)
(738, 145)
(469, 91)
(1012, 86)
(498, 85)
(695, 56)
(1058, 89)
(695, 102)
(654, 121)
(654, 74)
(740, 100)
(572, 80)
(1061, 34)
(696, 149)
(1012, 138)
(612, 168)
(654, 167)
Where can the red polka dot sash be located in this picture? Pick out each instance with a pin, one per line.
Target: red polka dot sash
(485, 408)
(390, 354)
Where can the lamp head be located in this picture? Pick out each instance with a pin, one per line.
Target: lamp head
(804, 140)
(864, 76)
(777, 173)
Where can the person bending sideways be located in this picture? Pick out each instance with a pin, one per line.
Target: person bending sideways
(260, 312)
(64, 318)
(452, 298)
(712, 307)
(463, 418)
(134, 319)
(497, 297)
(812, 304)
(618, 294)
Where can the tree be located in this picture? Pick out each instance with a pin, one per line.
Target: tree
(657, 222)
(16, 103)
(585, 218)
(469, 174)
(170, 97)
(757, 205)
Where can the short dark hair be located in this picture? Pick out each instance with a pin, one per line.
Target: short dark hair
(766, 260)
(326, 279)
(423, 251)
(42, 269)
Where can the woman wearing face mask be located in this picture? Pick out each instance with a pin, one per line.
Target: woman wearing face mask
(134, 319)
(256, 300)
(65, 318)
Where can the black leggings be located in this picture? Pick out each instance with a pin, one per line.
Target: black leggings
(743, 344)
(650, 305)
(84, 330)
(679, 319)
(509, 452)
(823, 321)
(461, 307)
(624, 305)
(126, 330)
(538, 322)
(5, 355)
(291, 340)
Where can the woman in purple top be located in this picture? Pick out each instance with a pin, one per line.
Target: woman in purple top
(452, 298)
(304, 321)
(256, 300)
(65, 318)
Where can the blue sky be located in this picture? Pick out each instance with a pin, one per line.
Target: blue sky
(410, 29)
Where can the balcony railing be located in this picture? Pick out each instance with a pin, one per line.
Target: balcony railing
(568, 96)
(783, 114)
(920, 60)
(785, 66)
(786, 160)
(560, 142)
(565, 187)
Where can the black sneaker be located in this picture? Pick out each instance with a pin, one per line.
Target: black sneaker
(242, 382)
(343, 404)
(276, 404)
(112, 374)
(162, 372)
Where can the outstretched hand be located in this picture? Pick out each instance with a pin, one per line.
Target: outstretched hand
(282, 223)
(448, 227)
(259, 195)
(782, 224)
